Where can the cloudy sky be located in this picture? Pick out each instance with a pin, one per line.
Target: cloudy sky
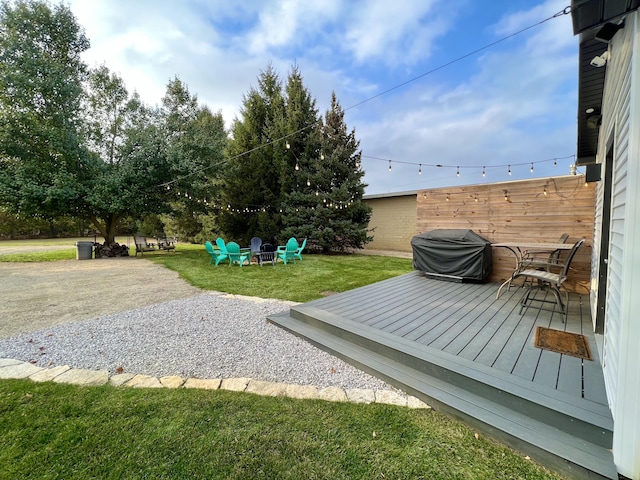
(397, 68)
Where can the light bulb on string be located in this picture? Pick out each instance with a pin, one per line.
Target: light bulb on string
(287, 145)
(483, 172)
(308, 182)
(447, 197)
(509, 171)
(545, 191)
(531, 167)
(297, 166)
(420, 170)
(457, 171)
(475, 197)
(389, 165)
(555, 163)
(321, 156)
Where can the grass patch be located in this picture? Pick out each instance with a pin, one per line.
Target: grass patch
(43, 256)
(49, 430)
(300, 282)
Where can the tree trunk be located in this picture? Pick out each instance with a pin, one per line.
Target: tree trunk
(107, 228)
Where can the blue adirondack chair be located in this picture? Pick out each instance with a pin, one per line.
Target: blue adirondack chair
(235, 256)
(287, 252)
(216, 255)
(256, 243)
(298, 252)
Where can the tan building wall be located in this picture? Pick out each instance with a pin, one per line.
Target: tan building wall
(393, 221)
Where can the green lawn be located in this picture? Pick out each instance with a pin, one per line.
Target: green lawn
(302, 281)
(49, 430)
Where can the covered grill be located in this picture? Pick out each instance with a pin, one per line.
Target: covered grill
(452, 254)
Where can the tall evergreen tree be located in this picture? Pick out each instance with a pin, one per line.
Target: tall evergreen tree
(328, 206)
(252, 185)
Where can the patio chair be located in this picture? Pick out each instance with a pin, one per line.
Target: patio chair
(287, 252)
(216, 255)
(166, 244)
(545, 280)
(256, 242)
(298, 252)
(544, 260)
(267, 254)
(142, 245)
(221, 245)
(235, 256)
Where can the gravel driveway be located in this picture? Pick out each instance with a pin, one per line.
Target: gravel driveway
(131, 315)
(44, 294)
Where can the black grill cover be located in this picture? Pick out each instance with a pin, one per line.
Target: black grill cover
(455, 253)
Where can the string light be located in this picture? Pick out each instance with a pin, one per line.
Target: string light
(506, 196)
(545, 191)
(321, 156)
(475, 197)
(308, 182)
(460, 167)
(555, 164)
(447, 197)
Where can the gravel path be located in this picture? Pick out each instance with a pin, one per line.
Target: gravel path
(206, 335)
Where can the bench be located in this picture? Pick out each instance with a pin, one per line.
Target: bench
(166, 244)
(142, 245)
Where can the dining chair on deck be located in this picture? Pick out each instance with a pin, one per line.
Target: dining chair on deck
(545, 280)
(542, 259)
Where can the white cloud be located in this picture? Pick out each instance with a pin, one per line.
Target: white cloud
(397, 33)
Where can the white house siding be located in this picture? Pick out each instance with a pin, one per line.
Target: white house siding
(621, 118)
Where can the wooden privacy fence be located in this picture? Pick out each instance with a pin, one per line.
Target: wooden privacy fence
(538, 210)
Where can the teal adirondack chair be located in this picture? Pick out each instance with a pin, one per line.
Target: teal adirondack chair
(221, 245)
(235, 256)
(298, 252)
(287, 252)
(216, 255)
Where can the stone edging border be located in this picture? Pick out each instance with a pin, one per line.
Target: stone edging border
(17, 369)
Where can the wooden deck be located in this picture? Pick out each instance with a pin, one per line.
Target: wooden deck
(462, 350)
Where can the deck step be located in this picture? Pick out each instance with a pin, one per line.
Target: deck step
(570, 439)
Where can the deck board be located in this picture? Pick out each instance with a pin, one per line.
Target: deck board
(467, 321)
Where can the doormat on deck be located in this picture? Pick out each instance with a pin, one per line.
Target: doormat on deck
(567, 343)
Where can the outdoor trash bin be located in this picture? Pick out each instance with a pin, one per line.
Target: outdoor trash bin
(452, 254)
(84, 250)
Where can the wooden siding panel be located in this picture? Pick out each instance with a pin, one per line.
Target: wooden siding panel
(527, 214)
